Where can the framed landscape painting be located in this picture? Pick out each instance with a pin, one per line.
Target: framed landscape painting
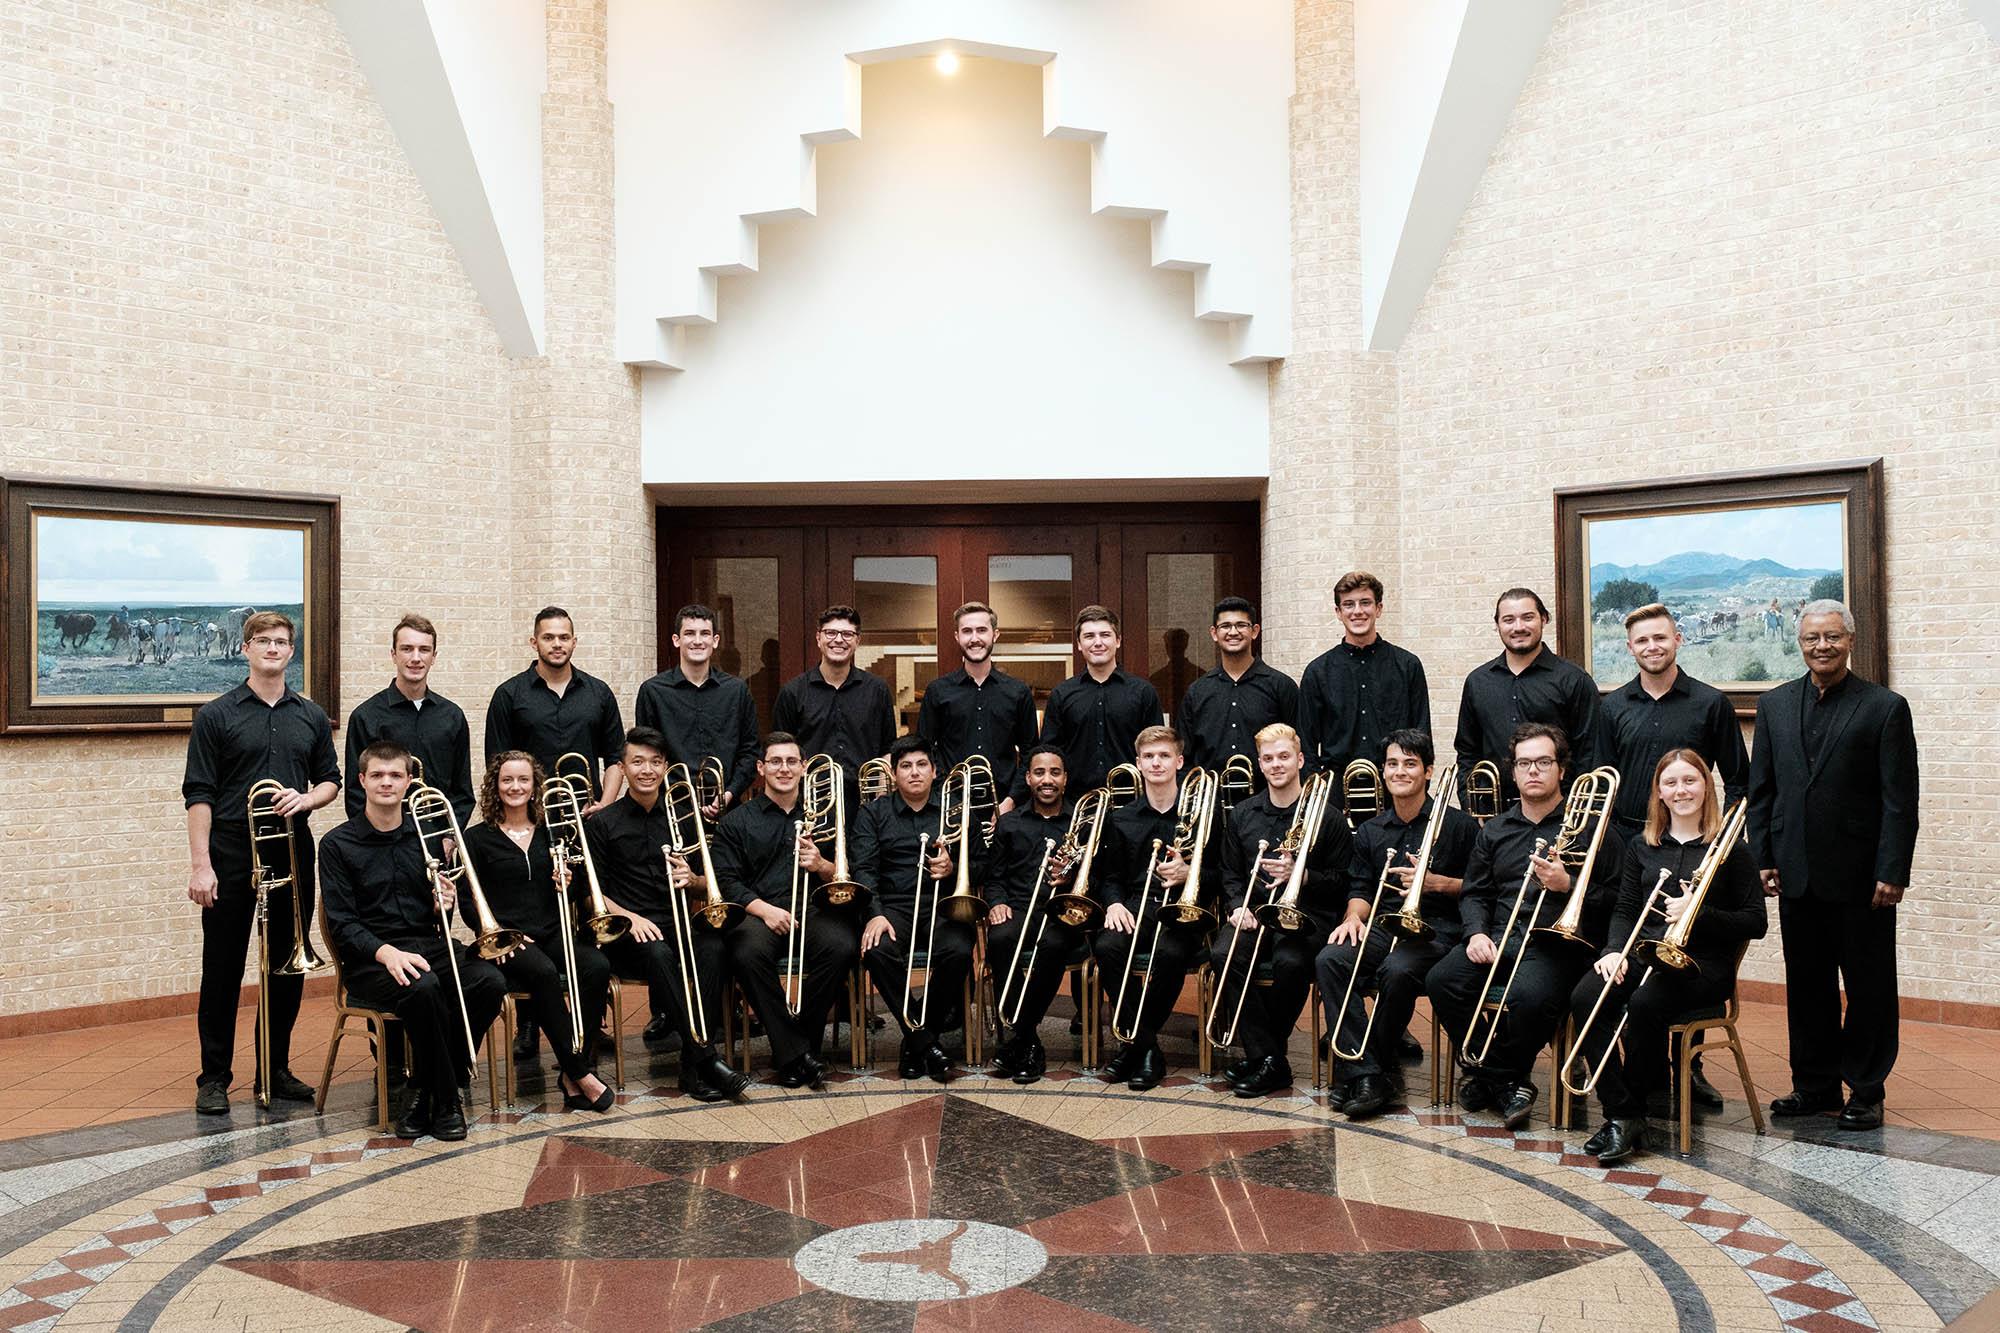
(125, 605)
(1734, 557)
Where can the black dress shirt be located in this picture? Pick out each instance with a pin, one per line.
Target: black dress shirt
(886, 836)
(1126, 851)
(1095, 724)
(1450, 854)
(1638, 729)
(238, 740)
(1352, 698)
(519, 882)
(1015, 862)
(753, 851)
(375, 889)
(1499, 864)
(434, 732)
(1495, 701)
(1255, 820)
(852, 723)
(1732, 913)
(626, 841)
(1219, 717)
(717, 717)
(1816, 714)
(996, 719)
(527, 715)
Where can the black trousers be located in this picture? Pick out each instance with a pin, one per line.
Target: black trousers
(228, 929)
(950, 964)
(1269, 1012)
(658, 961)
(428, 1009)
(1060, 948)
(1535, 1007)
(756, 959)
(1397, 977)
(540, 974)
(1630, 1077)
(1176, 954)
(1828, 946)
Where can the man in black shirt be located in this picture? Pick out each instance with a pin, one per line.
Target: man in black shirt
(553, 709)
(1394, 967)
(836, 708)
(1095, 716)
(702, 710)
(980, 709)
(1513, 861)
(1664, 708)
(1223, 711)
(260, 729)
(1141, 867)
(1525, 683)
(1250, 881)
(431, 727)
(899, 857)
(1361, 689)
(383, 913)
(628, 840)
(1022, 863)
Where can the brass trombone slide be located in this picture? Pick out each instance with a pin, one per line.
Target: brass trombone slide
(962, 904)
(1195, 820)
(273, 869)
(688, 831)
(1075, 909)
(443, 845)
(823, 809)
(563, 809)
(1280, 909)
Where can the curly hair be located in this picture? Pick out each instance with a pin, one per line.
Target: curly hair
(489, 787)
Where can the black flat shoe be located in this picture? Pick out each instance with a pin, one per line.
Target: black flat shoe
(1701, 1092)
(804, 1072)
(212, 1098)
(1370, 1094)
(1595, 1143)
(1804, 1103)
(450, 1125)
(1860, 1115)
(1622, 1138)
(1273, 1074)
(577, 1101)
(1519, 1105)
(1152, 1068)
(415, 1122)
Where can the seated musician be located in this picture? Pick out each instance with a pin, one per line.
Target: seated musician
(1504, 871)
(1138, 851)
(1683, 817)
(760, 853)
(510, 851)
(1365, 1084)
(629, 840)
(1021, 863)
(898, 857)
(383, 917)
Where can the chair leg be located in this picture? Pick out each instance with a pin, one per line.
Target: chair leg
(618, 1033)
(857, 1021)
(1204, 999)
(493, 1076)
(1743, 1072)
(1312, 1003)
(1437, 1055)
(507, 1021)
(326, 1074)
(1683, 1081)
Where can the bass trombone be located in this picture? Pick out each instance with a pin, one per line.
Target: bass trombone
(274, 869)
(1482, 790)
(1121, 785)
(1195, 818)
(443, 844)
(562, 807)
(822, 808)
(874, 778)
(1239, 781)
(1075, 909)
(1361, 791)
(1280, 910)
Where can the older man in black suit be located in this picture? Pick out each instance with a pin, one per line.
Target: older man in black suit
(1833, 825)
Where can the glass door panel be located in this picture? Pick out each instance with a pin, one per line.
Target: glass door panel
(743, 593)
(1182, 589)
(1034, 599)
(897, 596)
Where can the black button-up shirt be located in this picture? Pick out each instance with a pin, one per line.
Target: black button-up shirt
(376, 889)
(1126, 852)
(996, 719)
(1351, 699)
(1732, 912)
(435, 732)
(1219, 717)
(1095, 723)
(1385, 833)
(753, 851)
(1495, 701)
(519, 882)
(1256, 820)
(626, 846)
(1638, 729)
(886, 836)
(717, 717)
(1499, 864)
(238, 740)
(854, 722)
(527, 715)
(1015, 863)
(1816, 708)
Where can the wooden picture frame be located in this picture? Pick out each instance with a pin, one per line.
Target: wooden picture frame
(1788, 530)
(122, 599)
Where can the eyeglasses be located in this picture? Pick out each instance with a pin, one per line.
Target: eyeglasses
(266, 641)
(1533, 765)
(1815, 640)
(839, 634)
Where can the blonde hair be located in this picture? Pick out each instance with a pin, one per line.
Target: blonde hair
(1277, 731)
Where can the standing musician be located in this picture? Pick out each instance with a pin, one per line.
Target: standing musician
(553, 709)
(1365, 1085)
(1525, 683)
(980, 709)
(1020, 840)
(1271, 1012)
(510, 851)
(385, 917)
(1664, 708)
(835, 708)
(417, 717)
(1683, 817)
(1224, 711)
(1361, 689)
(1833, 825)
(1504, 866)
(628, 844)
(702, 710)
(261, 729)
(757, 848)
(1128, 860)
(897, 854)
(1095, 717)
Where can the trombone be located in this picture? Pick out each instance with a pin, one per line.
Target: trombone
(1361, 791)
(1195, 818)
(1600, 787)
(1482, 790)
(579, 772)
(1280, 910)
(1121, 785)
(962, 904)
(563, 809)
(273, 869)
(1075, 909)
(683, 798)
(710, 782)
(822, 797)
(443, 844)
(1668, 951)
(1239, 781)
(874, 778)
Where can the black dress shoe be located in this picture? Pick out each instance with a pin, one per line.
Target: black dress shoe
(1475, 1093)
(1409, 1050)
(695, 1084)
(1239, 1071)
(1272, 1074)
(1518, 1105)
(1701, 1092)
(1151, 1069)
(716, 1072)
(1622, 1138)
(1370, 1094)
(1804, 1103)
(1007, 1056)
(1339, 1094)
(660, 1035)
(212, 1098)
(1033, 1064)
(804, 1072)
(415, 1121)
(288, 1087)
(1124, 1064)
(449, 1124)
(1858, 1114)
(1595, 1143)
(911, 1065)
(937, 1065)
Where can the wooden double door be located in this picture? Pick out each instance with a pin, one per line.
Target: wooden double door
(767, 572)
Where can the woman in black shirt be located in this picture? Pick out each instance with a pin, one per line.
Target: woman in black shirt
(510, 851)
